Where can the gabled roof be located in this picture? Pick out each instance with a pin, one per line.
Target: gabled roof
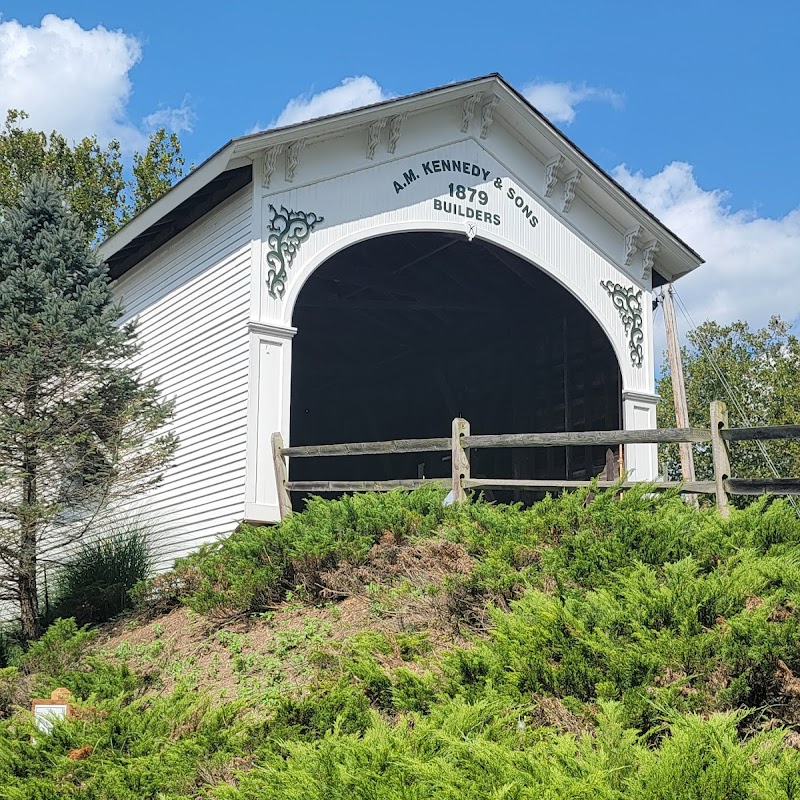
(230, 169)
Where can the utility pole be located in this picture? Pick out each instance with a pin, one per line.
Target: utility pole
(678, 386)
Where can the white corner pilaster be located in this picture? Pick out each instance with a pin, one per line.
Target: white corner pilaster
(268, 412)
(639, 413)
(256, 231)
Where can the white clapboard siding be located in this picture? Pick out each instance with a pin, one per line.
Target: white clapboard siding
(191, 301)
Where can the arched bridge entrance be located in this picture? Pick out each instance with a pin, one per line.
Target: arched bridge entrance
(399, 334)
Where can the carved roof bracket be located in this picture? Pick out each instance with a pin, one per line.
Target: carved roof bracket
(468, 110)
(374, 136)
(570, 184)
(293, 158)
(551, 169)
(487, 115)
(395, 129)
(270, 156)
(649, 251)
(632, 237)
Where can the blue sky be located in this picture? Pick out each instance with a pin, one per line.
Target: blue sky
(693, 106)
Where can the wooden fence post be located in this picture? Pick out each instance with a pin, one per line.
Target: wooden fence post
(284, 500)
(459, 459)
(719, 453)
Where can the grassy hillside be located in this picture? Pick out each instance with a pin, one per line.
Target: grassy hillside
(592, 646)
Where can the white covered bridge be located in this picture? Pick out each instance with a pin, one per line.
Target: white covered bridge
(372, 275)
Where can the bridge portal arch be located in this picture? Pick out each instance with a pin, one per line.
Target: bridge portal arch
(399, 332)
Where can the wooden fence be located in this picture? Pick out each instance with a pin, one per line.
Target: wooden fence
(461, 442)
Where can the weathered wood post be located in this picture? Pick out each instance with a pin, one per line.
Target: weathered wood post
(284, 500)
(719, 453)
(459, 459)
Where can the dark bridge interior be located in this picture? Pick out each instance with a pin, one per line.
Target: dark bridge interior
(399, 334)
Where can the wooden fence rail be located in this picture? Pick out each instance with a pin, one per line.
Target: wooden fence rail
(461, 442)
(370, 448)
(760, 433)
(696, 487)
(606, 438)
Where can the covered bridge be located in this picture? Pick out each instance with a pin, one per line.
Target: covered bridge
(373, 274)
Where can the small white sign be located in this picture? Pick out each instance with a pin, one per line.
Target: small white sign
(44, 716)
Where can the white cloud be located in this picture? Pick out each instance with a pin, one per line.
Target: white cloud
(752, 268)
(360, 90)
(177, 119)
(558, 101)
(73, 80)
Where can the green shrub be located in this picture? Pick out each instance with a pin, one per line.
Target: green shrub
(94, 584)
(413, 692)
(342, 707)
(160, 747)
(670, 635)
(62, 657)
(59, 649)
(12, 643)
(703, 760)
(579, 538)
(254, 566)
(639, 648)
(476, 750)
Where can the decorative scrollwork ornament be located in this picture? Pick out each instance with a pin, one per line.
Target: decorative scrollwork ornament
(289, 229)
(628, 302)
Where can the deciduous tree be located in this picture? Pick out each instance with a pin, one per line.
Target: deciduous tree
(762, 369)
(90, 175)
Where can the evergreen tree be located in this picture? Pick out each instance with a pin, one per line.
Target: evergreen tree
(79, 429)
